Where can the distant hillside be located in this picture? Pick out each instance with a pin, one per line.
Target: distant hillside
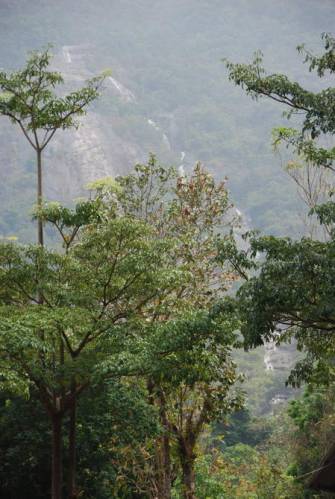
(168, 94)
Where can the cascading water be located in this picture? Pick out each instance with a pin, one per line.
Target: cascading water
(270, 349)
(165, 139)
(66, 54)
(126, 94)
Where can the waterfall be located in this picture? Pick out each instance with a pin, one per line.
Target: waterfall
(165, 139)
(270, 349)
(126, 94)
(67, 54)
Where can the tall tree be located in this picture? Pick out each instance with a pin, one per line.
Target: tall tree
(292, 293)
(194, 209)
(193, 388)
(28, 97)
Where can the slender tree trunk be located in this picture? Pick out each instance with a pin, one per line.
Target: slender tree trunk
(188, 479)
(167, 466)
(40, 238)
(162, 464)
(165, 462)
(163, 467)
(72, 447)
(56, 469)
(187, 458)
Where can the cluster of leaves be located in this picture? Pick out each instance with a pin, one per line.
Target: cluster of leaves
(28, 99)
(317, 108)
(292, 297)
(313, 419)
(244, 472)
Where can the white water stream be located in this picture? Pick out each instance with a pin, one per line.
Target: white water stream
(270, 349)
(165, 139)
(126, 94)
(67, 54)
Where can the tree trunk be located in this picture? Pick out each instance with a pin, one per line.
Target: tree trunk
(166, 462)
(72, 448)
(163, 467)
(162, 452)
(187, 458)
(40, 238)
(188, 478)
(56, 470)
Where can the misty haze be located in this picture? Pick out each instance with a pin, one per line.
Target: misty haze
(167, 291)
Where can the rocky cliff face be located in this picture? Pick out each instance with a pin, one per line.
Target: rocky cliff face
(95, 149)
(79, 156)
